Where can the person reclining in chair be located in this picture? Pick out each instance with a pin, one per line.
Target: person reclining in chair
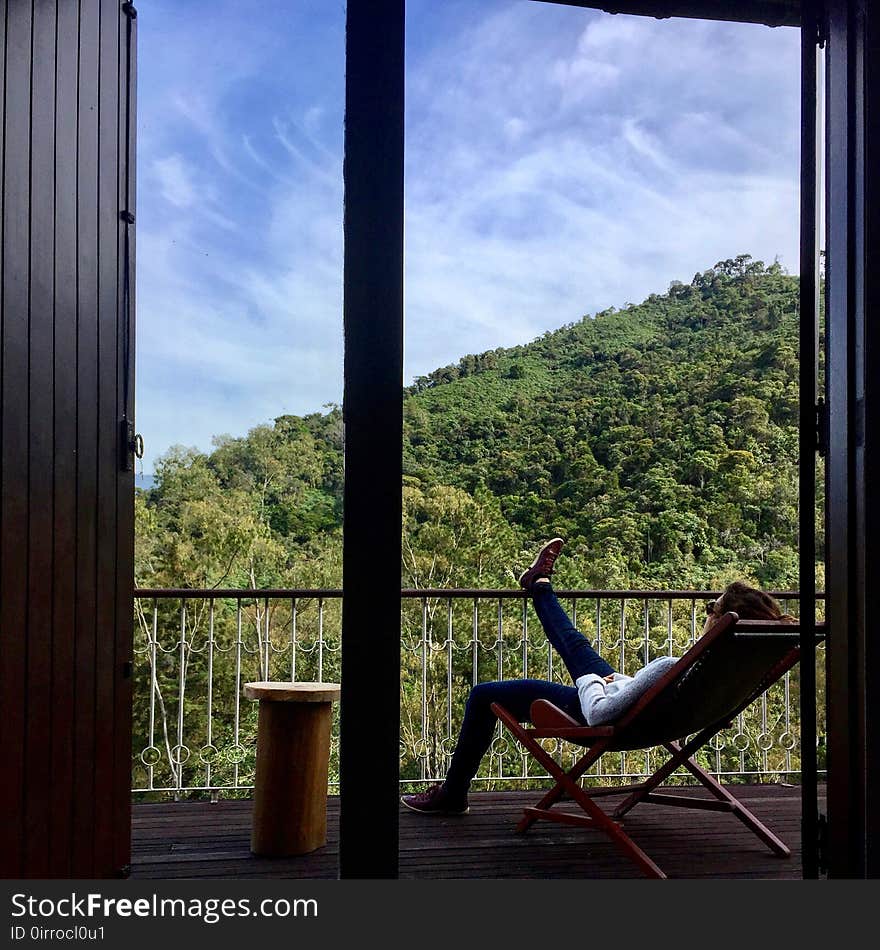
(599, 695)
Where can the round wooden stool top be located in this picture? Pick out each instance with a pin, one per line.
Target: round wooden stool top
(280, 692)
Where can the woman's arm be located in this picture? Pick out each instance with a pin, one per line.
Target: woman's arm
(592, 696)
(602, 702)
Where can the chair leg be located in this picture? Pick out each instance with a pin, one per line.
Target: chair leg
(611, 828)
(745, 816)
(684, 756)
(678, 756)
(558, 790)
(567, 782)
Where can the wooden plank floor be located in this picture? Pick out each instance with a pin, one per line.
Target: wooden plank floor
(198, 840)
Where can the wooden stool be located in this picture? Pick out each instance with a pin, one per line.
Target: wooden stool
(293, 756)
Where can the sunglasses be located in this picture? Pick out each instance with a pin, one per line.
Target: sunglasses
(713, 608)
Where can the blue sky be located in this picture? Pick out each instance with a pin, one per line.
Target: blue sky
(558, 161)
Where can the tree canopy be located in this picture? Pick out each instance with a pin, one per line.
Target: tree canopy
(660, 440)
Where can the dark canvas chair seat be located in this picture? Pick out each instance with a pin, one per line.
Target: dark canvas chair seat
(717, 678)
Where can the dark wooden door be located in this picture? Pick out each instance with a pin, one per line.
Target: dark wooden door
(853, 464)
(66, 483)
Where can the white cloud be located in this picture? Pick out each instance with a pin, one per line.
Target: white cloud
(647, 145)
(515, 128)
(653, 149)
(582, 74)
(175, 181)
(240, 217)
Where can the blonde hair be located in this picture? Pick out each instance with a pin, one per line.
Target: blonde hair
(750, 603)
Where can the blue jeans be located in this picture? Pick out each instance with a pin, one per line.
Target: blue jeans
(517, 696)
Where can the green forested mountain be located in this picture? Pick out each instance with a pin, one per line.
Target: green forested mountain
(660, 440)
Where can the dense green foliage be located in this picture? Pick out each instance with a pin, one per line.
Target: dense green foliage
(660, 441)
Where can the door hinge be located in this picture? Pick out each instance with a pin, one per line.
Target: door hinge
(821, 427)
(822, 844)
(131, 445)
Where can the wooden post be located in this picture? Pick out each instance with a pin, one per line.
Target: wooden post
(369, 753)
(293, 755)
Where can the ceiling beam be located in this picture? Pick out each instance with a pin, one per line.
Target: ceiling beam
(766, 12)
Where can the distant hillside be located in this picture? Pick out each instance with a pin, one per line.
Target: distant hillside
(663, 435)
(660, 440)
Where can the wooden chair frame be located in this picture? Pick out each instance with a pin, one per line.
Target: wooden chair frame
(550, 722)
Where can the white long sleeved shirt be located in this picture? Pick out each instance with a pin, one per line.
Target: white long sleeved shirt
(603, 702)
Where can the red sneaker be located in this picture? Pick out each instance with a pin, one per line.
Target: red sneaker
(436, 801)
(542, 566)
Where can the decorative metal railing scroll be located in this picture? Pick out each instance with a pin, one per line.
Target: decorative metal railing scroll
(195, 733)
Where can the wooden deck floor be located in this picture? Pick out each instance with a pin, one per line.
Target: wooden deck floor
(197, 840)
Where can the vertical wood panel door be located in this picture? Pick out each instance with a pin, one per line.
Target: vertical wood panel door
(844, 661)
(66, 406)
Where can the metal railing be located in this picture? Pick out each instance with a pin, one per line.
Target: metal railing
(195, 733)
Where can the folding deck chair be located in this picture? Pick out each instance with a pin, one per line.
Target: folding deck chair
(716, 679)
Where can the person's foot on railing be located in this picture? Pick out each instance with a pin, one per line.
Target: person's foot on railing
(436, 801)
(542, 566)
